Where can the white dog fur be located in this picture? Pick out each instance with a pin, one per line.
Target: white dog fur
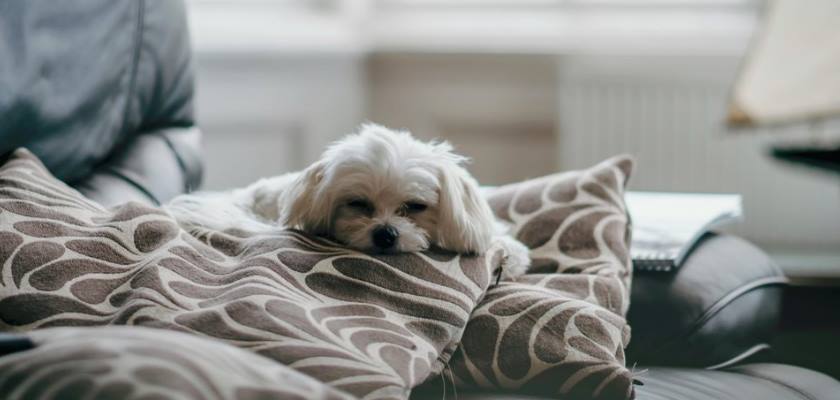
(376, 191)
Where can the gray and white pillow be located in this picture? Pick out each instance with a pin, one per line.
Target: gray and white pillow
(560, 329)
(120, 362)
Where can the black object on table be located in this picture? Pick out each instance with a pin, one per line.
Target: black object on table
(826, 158)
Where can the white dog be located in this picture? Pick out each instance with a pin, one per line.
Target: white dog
(378, 191)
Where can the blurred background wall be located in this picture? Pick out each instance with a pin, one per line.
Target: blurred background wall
(524, 87)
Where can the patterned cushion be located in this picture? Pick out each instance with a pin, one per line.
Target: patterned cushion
(575, 222)
(372, 327)
(560, 329)
(119, 362)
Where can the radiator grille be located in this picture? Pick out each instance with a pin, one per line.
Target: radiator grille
(676, 133)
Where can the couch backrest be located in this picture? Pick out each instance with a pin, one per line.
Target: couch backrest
(80, 77)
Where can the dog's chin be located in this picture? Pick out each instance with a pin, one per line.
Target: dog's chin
(360, 240)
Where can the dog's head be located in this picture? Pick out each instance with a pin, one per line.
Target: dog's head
(384, 191)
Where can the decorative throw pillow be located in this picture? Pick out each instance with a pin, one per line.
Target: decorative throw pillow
(121, 362)
(372, 327)
(573, 222)
(560, 329)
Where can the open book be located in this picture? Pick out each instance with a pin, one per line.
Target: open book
(666, 226)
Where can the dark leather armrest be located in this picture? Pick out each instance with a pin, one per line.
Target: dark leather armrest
(721, 306)
(151, 168)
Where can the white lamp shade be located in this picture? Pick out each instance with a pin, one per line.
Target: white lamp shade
(792, 71)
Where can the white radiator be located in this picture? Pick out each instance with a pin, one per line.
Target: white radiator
(668, 113)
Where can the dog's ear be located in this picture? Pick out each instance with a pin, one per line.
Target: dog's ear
(305, 206)
(465, 221)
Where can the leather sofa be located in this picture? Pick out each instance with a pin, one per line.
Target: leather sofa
(101, 90)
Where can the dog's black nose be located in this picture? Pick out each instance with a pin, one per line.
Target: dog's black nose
(385, 236)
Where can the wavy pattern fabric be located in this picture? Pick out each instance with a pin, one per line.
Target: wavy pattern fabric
(314, 319)
(560, 329)
(140, 363)
(372, 327)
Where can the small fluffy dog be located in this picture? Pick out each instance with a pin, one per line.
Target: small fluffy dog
(378, 191)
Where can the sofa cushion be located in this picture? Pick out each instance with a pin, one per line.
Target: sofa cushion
(751, 381)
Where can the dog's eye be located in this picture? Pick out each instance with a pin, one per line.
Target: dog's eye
(360, 204)
(414, 207)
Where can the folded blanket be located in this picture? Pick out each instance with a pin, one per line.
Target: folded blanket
(359, 325)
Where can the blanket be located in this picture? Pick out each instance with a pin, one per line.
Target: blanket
(332, 322)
